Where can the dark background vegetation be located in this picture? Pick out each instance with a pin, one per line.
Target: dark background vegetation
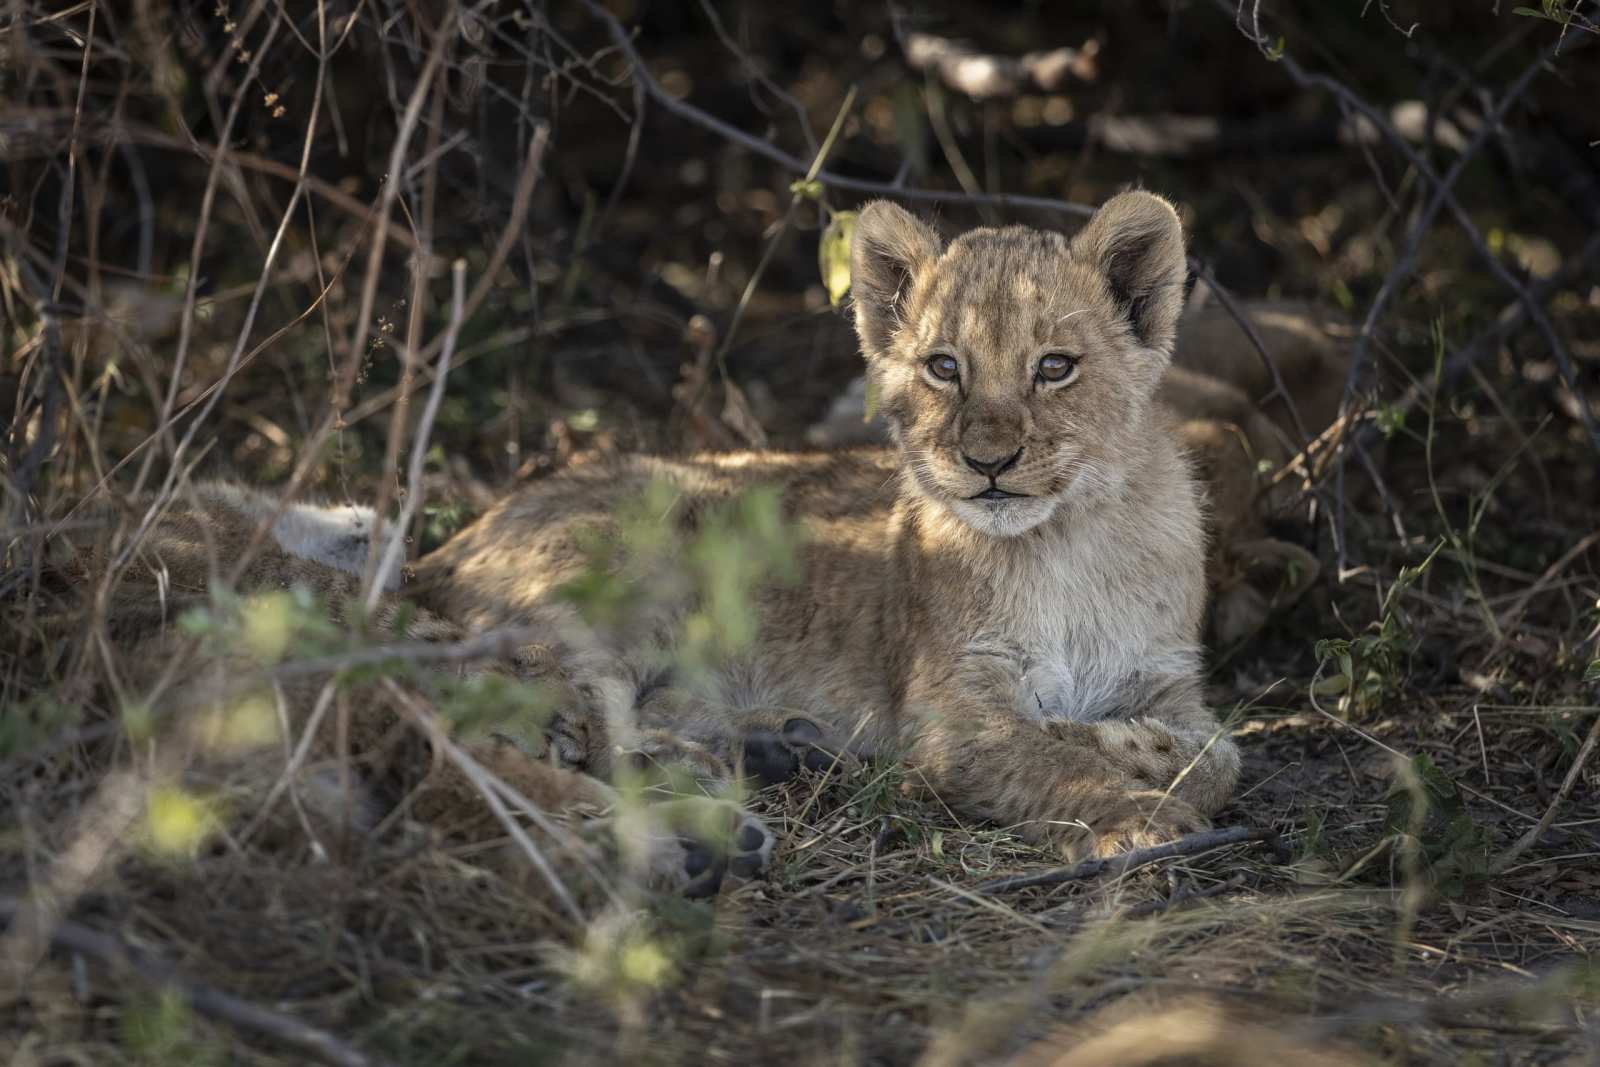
(629, 260)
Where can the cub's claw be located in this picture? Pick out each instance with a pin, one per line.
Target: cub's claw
(1130, 821)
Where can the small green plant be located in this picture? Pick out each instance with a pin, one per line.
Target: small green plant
(33, 721)
(1371, 666)
(1390, 420)
(440, 522)
(1556, 11)
(270, 627)
(159, 1030)
(716, 559)
(481, 703)
(1427, 812)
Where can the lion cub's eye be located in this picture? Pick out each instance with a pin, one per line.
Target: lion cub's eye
(1057, 367)
(944, 368)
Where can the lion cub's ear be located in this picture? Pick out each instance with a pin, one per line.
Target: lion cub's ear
(889, 249)
(1136, 241)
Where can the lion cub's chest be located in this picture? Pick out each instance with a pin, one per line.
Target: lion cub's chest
(1069, 630)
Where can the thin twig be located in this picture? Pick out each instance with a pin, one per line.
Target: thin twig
(1505, 323)
(1307, 80)
(729, 132)
(795, 200)
(419, 447)
(1279, 389)
(1192, 845)
(1574, 772)
(488, 645)
(1514, 613)
(281, 1028)
(489, 788)
(1405, 262)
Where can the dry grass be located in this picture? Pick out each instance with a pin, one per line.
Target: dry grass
(172, 308)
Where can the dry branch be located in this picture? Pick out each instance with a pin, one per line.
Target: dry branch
(1405, 263)
(281, 1028)
(1574, 773)
(1349, 98)
(685, 110)
(1193, 845)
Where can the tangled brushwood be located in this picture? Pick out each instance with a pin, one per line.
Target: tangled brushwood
(293, 294)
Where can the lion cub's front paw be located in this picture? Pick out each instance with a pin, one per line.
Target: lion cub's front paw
(712, 839)
(774, 756)
(1126, 821)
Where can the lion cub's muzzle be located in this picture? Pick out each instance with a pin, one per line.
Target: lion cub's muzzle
(992, 469)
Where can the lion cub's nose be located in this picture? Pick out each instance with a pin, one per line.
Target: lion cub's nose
(992, 468)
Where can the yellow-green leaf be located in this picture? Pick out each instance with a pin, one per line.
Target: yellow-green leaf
(644, 964)
(833, 255)
(177, 823)
(249, 724)
(269, 622)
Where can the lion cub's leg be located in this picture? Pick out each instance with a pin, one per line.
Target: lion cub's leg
(614, 722)
(765, 745)
(1084, 788)
(684, 844)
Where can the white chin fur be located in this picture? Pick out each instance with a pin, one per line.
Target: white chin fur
(1008, 518)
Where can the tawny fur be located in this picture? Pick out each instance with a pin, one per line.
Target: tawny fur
(189, 553)
(1232, 425)
(1035, 659)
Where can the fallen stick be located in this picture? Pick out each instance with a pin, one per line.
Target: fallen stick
(1120, 864)
(1574, 773)
(242, 1014)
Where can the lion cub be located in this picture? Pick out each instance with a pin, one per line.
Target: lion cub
(1011, 598)
(229, 550)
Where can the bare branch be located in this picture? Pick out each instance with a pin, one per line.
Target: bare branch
(1193, 845)
(1447, 198)
(1574, 773)
(281, 1028)
(793, 164)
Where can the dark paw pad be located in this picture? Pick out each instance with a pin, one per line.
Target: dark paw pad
(774, 758)
(741, 850)
(768, 758)
(705, 871)
(752, 838)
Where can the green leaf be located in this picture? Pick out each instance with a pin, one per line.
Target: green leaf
(1591, 673)
(833, 255)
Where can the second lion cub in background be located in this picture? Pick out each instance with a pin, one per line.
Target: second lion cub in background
(1011, 597)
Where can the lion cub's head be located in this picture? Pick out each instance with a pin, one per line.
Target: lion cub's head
(1016, 367)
